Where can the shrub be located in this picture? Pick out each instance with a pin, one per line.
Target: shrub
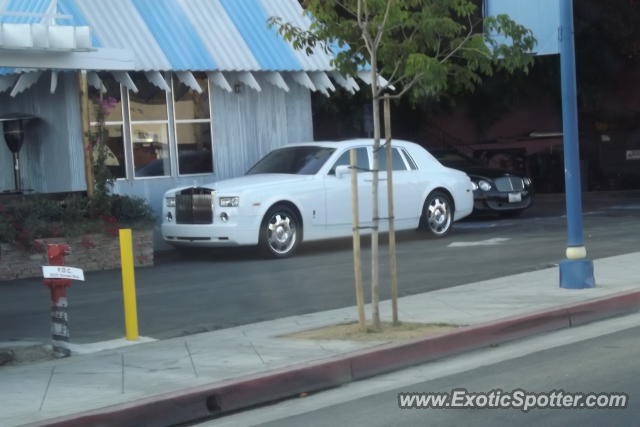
(129, 210)
(35, 217)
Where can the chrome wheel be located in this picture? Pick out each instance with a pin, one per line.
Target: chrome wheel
(438, 214)
(280, 232)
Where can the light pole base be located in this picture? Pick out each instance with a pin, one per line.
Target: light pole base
(577, 274)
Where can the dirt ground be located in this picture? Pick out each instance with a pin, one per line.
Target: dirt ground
(351, 332)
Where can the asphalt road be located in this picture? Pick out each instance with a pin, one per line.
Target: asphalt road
(212, 289)
(608, 364)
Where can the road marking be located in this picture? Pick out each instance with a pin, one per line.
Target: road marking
(473, 225)
(629, 207)
(489, 242)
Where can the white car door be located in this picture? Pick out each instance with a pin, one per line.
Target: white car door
(338, 195)
(407, 190)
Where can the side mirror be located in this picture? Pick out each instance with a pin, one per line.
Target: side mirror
(343, 170)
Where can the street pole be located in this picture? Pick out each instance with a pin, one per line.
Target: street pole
(576, 272)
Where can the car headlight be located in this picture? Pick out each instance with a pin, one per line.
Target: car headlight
(170, 201)
(229, 202)
(474, 185)
(527, 181)
(484, 185)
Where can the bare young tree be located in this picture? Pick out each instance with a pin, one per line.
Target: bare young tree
(425, 48)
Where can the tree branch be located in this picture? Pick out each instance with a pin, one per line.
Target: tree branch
(343, 5)
(381, 29)
(393, 73)
(459, 46)
(405, 88)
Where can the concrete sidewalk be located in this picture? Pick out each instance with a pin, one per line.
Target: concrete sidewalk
(169, 381)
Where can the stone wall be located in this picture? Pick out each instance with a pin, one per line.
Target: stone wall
(90, 252)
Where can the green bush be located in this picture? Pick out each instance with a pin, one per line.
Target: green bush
(131, 209)
(34, 217)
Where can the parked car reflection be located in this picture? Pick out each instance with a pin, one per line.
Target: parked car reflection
(188, 163)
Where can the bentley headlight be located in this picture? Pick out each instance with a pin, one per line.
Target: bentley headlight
(170, 202)
(474, 185)
(484, 185)
(527, 181)
(229, 202)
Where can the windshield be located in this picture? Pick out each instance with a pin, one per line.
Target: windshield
(454, 160)
(293, 160)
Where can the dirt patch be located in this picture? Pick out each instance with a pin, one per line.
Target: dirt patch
(23, 354)
(351, 332)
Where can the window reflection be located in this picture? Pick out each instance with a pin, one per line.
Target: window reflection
(396, 161)
(362, 160)
(189, 103)
(115, 151)
(193, 126)
(150, 103)
(150, 149)
(194, 148)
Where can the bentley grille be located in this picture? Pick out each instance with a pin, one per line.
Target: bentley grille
(509, 183)
(193, 206)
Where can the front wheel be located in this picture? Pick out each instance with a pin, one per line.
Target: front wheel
(437, 214)
(279, 232)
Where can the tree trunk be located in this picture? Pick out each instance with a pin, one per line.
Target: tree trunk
(86, 143)
(393, 268)
(357, 260)
(375, 264)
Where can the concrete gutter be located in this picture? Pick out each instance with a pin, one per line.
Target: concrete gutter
(219, 398)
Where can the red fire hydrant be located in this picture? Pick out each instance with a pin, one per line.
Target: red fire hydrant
(58, 288)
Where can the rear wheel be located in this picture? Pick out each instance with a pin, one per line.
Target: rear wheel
(437, 214)
(279, 232)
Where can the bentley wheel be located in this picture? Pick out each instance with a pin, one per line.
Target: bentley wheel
(279, 233)
(437, 214)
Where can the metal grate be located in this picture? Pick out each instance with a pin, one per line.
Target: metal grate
(193, 206)
(510, 183)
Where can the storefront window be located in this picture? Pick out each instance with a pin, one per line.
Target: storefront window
(193, 127)
(150, 149)
(194, 148)
(191, 105)
(149, 145)
(115, 152)
(110, 104)
(149, 129)
(149, 103)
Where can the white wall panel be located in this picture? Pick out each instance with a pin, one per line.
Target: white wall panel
(51, 157)
(249, 124)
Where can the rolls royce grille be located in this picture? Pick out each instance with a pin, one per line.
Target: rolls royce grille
(193, 206)
(510, 183)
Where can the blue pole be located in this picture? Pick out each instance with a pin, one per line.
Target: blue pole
(576, 272)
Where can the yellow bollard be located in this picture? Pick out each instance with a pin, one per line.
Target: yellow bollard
(128, 285)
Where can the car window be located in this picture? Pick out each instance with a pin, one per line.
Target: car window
(397, 162)
(305, 160)
(412, 163)
(362, 160)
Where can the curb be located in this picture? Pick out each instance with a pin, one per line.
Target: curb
(218, 398)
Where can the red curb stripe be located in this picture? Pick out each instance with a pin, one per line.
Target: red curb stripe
(398, 356)
(219, 398)
(615, 305)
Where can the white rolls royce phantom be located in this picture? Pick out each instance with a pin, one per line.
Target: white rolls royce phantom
(303, 192)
